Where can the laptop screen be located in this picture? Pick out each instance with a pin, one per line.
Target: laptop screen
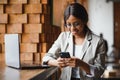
(12, 56)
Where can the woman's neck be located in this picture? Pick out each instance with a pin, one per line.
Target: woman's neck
(79, 39)
(81, 35)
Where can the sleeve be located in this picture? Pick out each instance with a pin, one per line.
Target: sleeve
(98, 67)
(53, 52)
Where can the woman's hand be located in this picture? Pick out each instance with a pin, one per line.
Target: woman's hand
(63, 62)
(72, 62)
(75, 62)
(60, 62)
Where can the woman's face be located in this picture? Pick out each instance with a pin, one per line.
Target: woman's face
(75, 25)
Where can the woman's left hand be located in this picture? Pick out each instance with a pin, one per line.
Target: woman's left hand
(74, 62)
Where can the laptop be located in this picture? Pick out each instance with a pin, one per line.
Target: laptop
(12, 54)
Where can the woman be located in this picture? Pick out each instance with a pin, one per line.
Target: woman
(86, 49)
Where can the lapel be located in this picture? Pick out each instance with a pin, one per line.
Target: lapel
(66, 42)
(69, 44)
(86, 44)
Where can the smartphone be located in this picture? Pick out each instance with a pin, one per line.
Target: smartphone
(64, 55)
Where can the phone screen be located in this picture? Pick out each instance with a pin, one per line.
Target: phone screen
(64, 55)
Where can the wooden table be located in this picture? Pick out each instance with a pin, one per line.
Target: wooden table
(8, 73)
(112, 71)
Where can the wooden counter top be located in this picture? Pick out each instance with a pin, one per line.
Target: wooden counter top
(8, 73)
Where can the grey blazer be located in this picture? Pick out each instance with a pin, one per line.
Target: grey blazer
(93, 53)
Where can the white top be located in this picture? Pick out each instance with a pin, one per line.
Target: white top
(75, 70)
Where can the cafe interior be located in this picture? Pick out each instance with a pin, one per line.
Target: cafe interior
(38, 23)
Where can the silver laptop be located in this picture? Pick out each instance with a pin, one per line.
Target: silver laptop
(12, 54)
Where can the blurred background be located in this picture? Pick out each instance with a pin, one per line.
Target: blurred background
(39, 22)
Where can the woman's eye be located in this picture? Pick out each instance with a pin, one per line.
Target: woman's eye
(68, 24)
(76, 24)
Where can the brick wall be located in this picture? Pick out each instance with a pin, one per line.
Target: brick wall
(31, 20)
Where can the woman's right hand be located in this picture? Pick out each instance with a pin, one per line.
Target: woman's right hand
(62, 62)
